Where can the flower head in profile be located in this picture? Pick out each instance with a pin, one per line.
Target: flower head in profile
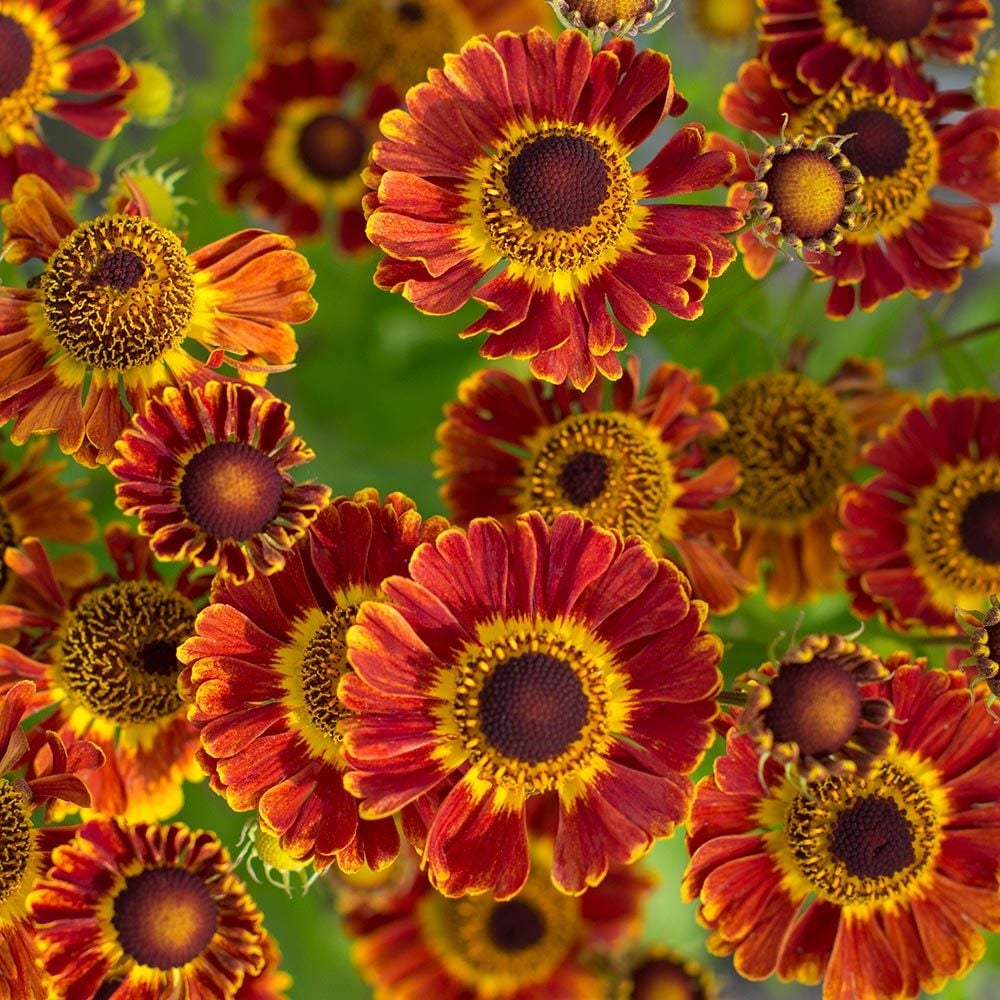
(797, 441)
(516, 156)
(262, 673)
(205, 469)
(392, 41)
(36, 768)
(294, 140)
(597, 18)
(984, 647)
(103, 654)
(147, 910)
(815, 711)
(876, 45)
(878, 885)
(541, 943)
(634, 462)
(913, 155)
(49, 68)
(108, 321)
(920, 536)
(540, 660)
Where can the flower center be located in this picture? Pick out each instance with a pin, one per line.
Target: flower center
(16, 54)
(889, 20)
(230, 489)
(806, 192)
(15, 840)
(893, 146)
(980, 526)
(119, 651)
(533, 705)
(793, 440)
(557, 182)
(332, 147)
(118, 292)
(816, 705)
(503, 945)
(865, 840)
(954, 532)
(608, 466)
(556, 199)
(664, 978)
(165, 917)
(609, 12)
(324, 662)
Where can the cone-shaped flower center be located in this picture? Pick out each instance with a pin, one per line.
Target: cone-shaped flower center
(324, 662)
(793, 440)
(532, 707)
(332, 147)
(816, 705)
(118, 292)
(165, 917)
(610, 467)
(806, 192)
(16, 52)
(609, 12)
(873, 838)
(889, 20)
(557, 182)
(879, 144)
(515, 925)
(119, 651)
(15, 840)
(230, 489)
(980, 526)
(866, 840)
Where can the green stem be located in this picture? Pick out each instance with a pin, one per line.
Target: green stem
(732, 698)
(959, 338)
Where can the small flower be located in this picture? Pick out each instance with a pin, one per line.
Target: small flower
(109, 316)
(279, 867)
(150, 192)
(154, 98)
(814, 711)
(538, 182)
(556, 661)
(635, 463)
(797, 441)
(657, 972)
(262, 674)
(104, 653)
(984, 647)
(597, 18)
(47, 70)
(205, 469)
(295, 138)
(723, 20)
(921, 535)
(154, 909)
(986, 85)
(877, 885)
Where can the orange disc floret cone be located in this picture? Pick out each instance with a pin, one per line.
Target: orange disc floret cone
(516, 154)
(108, 322)
(877, 886)
(261, 675)
(48, 69)
(560, 661)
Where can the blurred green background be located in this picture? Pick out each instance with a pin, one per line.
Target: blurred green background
(373, 374)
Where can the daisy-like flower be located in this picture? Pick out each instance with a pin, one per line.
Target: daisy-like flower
(516, 154)
(48, 69)
(876, 885)
(797, 441)
(205, 469)
(912, 238)
(619, 17)
(145, 911)
(814, 711)
(391, 40)
(105, 655)
(656, 973)
(873, 45)
(536, 946)
(262, 674)
(635, 464)
(294, 140)
(547, 660)
(23, 848)
(921, 535)
(109, 316)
